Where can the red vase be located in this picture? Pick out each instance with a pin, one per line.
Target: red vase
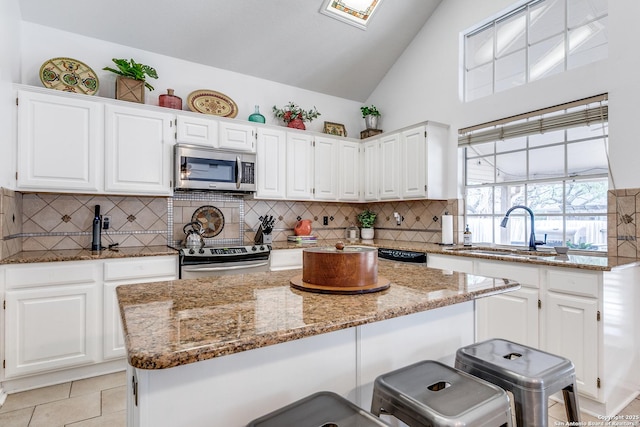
(296, 124)
(303, 227)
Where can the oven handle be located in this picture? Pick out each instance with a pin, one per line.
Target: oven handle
(235, 267)
(238, 171)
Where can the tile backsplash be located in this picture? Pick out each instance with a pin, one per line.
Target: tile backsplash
(46, 221)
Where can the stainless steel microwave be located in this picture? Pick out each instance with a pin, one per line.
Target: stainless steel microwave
(201, 168)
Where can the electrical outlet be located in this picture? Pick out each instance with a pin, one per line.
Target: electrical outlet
(106, 222)
(325, 220)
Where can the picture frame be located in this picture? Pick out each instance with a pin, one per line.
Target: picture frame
(337, 129)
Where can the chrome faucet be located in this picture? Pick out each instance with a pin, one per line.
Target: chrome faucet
(532, 237)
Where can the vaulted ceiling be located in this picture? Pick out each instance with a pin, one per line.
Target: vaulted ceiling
(286, 41)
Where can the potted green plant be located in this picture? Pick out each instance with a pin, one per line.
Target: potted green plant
(295, 116)
(370, 116)
(131, 79)
(366, 218)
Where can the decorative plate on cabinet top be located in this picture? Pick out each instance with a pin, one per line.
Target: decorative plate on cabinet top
(211, 102)
(69, 75)
(210, 218)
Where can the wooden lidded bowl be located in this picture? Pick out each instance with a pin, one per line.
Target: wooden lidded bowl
(351, 266)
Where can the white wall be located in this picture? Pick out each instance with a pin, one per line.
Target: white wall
(9, 73)
(424, 83)
(183, 76)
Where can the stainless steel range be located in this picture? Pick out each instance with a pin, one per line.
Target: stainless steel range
(198, 262)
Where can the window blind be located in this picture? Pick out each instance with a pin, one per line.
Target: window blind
(534, 123)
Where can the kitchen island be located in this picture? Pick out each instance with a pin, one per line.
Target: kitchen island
(222, 351)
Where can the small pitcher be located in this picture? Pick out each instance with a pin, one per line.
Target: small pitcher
(303, 227)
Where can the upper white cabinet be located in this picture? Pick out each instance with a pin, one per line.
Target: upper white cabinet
(60, 143)
(389, 167)
(237, 137)
(138, 151)
(271, 161)
(197, 131)
(413, 176)
(326, 169)
(299, 166)
(349, 171)
(371, 171)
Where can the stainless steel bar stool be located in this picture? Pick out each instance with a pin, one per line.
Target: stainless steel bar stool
(531, 375)
(429, 393)
(322, 409)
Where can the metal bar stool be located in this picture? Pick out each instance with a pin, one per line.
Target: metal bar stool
(530, 374)
(429, 393)
(322, 409)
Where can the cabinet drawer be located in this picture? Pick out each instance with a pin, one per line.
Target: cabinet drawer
(523, 274)
(453, 263)
(140, 268)
(574, 282)
(51, 273)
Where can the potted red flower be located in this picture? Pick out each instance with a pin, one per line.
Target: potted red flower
(294, 116)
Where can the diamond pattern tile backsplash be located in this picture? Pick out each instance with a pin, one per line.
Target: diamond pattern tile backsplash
(44, 221)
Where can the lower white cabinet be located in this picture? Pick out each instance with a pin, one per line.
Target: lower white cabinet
(125, 272)
(62, 315)
(575, 313)
(51, 322)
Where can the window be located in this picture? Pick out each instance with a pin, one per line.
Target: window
(536, 40)
(553, 162)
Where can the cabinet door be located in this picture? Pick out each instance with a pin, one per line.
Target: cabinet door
(197, 131)
(126, 272)
(349, 170)
(138, 151)
(239, 137)
(299, 166)
(437, 139)
(512, 316)
(413, 167)
(271, 160)
(326, 169)
(389, 167)
(51, 327)
(571, 331)
(371, 166)
(60, 142)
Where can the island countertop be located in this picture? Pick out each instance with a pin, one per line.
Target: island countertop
(173, 323)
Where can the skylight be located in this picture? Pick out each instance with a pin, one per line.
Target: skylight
(353, 12)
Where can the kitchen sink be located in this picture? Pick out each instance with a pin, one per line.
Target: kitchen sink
(516, 253)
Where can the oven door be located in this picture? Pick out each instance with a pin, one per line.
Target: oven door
(195, 271)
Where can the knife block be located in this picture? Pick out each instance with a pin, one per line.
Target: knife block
(262, 238)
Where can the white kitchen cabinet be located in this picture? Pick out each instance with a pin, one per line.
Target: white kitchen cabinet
(325, 160)
(349, 171)
(237, 137)
(413, 165)
(299, 166)
(51, 317)
(125, 272)
(60, 143)
(371, 170)
(202, 131)
(271, 161)
(389, 167)
(138, 151)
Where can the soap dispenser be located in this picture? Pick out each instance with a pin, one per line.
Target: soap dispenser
(467, 236)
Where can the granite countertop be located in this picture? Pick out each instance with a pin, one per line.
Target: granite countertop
(581, 261)
(177, 322)
(27, 257)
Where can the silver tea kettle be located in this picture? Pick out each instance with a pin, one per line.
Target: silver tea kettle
(193, 231)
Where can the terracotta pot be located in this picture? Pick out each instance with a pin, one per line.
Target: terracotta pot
(303, 227)
(296, 124)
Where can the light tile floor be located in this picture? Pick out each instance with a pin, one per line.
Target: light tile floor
(101, 402)
(92, 402)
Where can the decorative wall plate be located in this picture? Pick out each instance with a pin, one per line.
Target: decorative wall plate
(211, 102)
(69, 75)
(211, 219)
